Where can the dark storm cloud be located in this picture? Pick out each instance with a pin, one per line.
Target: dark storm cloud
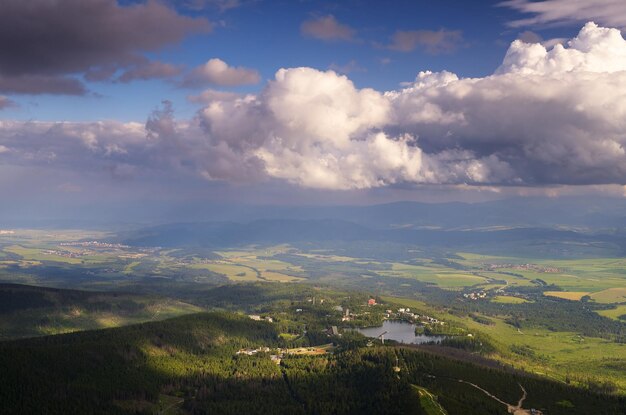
(54, 38)
(41, 84)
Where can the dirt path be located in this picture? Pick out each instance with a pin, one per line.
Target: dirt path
(512, 409)
(521, 400)
(167, 408)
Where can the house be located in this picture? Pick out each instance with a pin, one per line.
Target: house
(333, 331)
(371, 301)
(255, 317)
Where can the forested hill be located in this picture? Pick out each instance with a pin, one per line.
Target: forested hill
(189, 365)
(28, 311)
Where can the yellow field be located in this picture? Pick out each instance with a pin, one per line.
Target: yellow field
(611, 295)
(566, 295)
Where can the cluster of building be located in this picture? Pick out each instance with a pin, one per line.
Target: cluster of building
(406, 314)
(522, 267)
(65, 254)
(95, 244)
(252, 352)
(478, 295)
(6, 232)
(256, 317)
(276, 358)
(278, 354)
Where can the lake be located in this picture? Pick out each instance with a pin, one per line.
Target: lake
(400, 331)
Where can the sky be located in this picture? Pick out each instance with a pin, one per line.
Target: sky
(109, 104)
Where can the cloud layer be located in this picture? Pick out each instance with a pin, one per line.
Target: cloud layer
(545, 117)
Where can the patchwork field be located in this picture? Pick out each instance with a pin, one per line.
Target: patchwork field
(481, 285)
(566, 295)
(603, 279)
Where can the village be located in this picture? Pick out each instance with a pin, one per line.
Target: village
(348, 317)
(522, 267)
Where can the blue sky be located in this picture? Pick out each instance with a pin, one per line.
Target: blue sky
(266, 36)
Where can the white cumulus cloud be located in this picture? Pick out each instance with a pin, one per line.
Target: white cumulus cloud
(217, 72)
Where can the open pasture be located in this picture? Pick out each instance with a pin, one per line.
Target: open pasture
(507, 299)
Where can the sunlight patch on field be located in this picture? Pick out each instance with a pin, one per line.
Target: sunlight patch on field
(232, 271)
(329, 258)
(457, 280)
(128, 269)
(35, 254)
(614, 313)
(566, 295)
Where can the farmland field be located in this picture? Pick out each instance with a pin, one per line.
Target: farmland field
(614, 313)
(611, 295)
(566, 295)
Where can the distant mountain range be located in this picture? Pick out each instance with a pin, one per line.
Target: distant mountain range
(277, 231)
(567, 212)
(577, 212)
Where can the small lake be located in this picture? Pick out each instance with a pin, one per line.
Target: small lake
(400, 331)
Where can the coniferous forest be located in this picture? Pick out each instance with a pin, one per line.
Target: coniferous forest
(191, 364)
